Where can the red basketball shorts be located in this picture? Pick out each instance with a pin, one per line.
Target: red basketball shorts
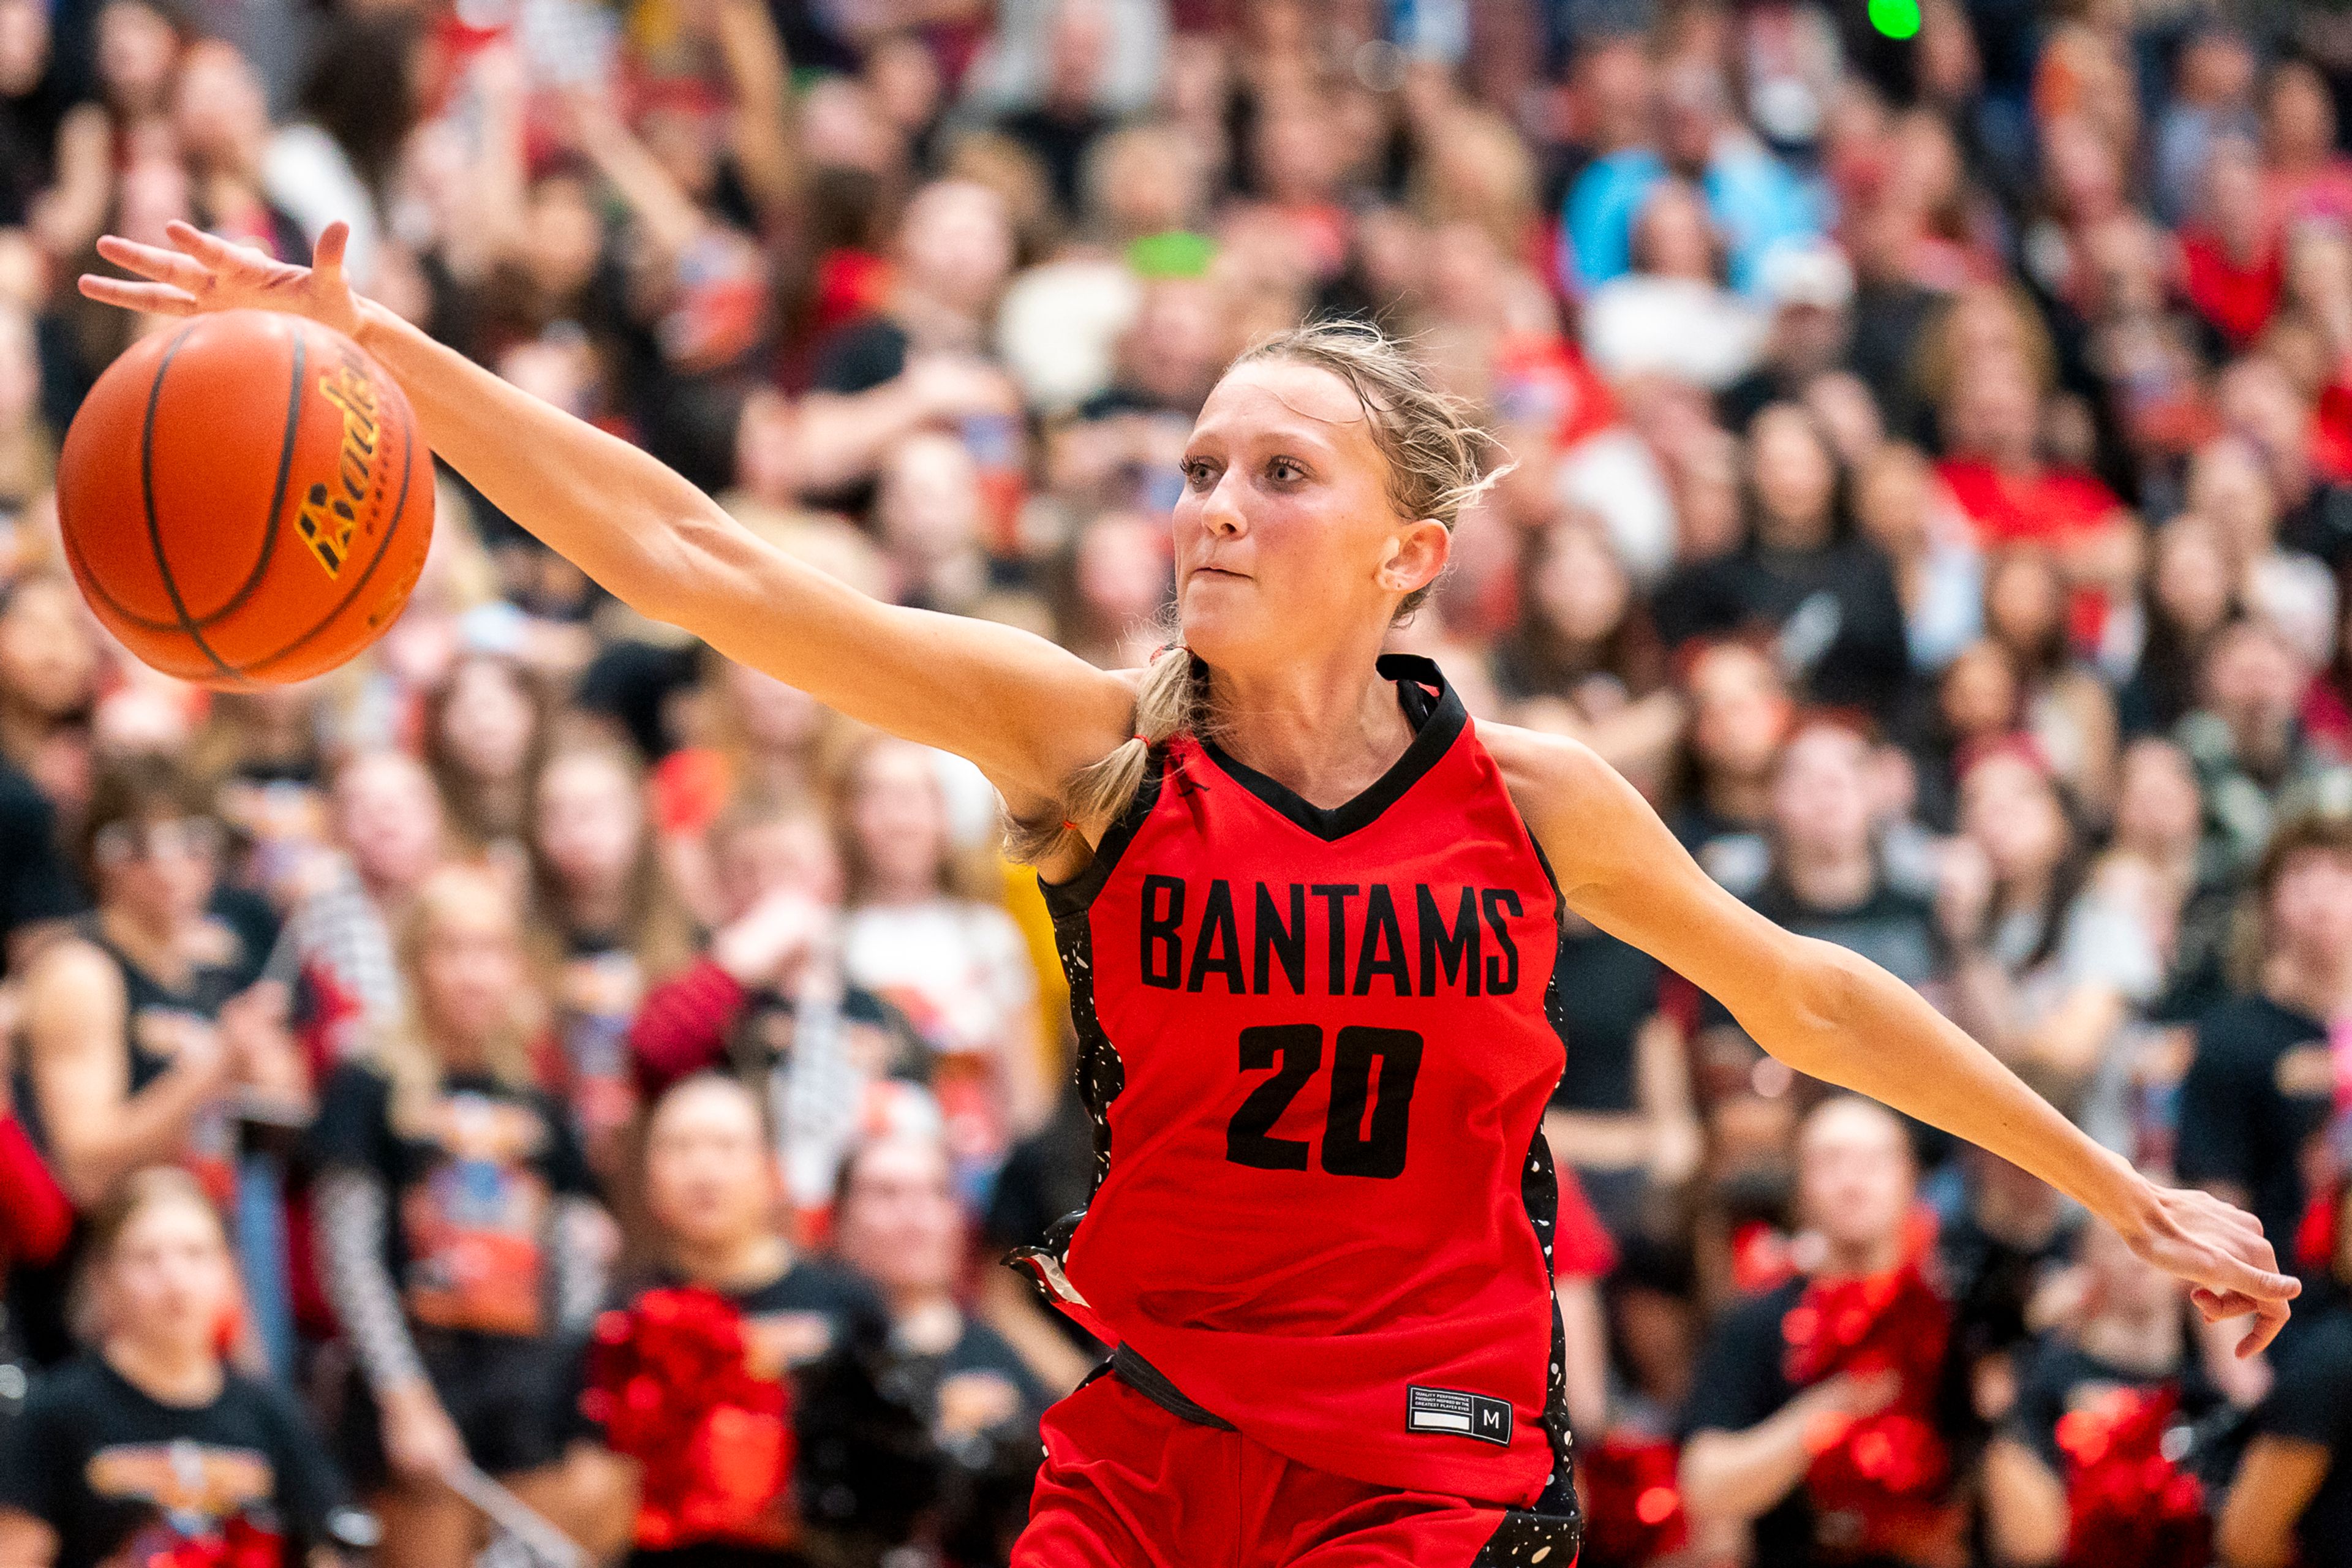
(1127, 1484)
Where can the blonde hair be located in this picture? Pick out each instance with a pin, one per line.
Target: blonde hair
(406, 1055)
(1437, 456)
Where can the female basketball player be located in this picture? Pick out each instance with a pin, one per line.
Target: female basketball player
(1310, 915)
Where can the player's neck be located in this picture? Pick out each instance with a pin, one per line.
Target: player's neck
(169, 1375)
(1326, 731)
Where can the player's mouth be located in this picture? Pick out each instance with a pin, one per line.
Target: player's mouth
(1220, 572)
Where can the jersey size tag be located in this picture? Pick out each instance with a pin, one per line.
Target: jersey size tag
(1457, 1415)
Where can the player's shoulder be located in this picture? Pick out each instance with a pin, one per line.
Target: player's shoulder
(1569, 795)
(1539, 765)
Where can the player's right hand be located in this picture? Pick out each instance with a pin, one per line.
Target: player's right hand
(198, 272)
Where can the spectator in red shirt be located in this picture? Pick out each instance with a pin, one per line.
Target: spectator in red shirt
(2231, 264)
(1996, 472)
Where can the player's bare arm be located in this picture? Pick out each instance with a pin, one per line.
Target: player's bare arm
(1837, 1017)
(1028, 712)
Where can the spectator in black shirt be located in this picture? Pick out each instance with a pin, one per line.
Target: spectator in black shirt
(48, 671)
(2261, 1085)
(33, 103)
(1741, 713)
(918, 361)
(1583, 658)
(1812, 292)
(1066, 121)
(1621, 1116)
(453, 1226)
(2012, 1237)
(1754, 1437)
(1803, 574)
(1049, 1175)
(897, 1223)
(148, 1446)
(37, 891)
(2133, 1335)
(2190, 599)
(713, 1188)
(145, 1029)
(2292, 1499)
(1826, 876)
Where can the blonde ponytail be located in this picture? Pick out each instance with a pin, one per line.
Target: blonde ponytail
(1172, 701)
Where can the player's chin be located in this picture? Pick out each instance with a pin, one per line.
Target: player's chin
(1223, 621)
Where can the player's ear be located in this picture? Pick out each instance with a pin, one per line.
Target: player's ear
(1417, 553)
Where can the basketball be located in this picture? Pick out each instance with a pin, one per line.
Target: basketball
(244, 499)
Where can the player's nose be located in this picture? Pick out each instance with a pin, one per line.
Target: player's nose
(1221, 511)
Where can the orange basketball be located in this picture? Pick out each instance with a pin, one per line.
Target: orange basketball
(245, 499)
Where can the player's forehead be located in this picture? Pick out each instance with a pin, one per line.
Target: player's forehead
(1287, 402)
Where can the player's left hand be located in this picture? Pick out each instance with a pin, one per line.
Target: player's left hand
(2221, 1253)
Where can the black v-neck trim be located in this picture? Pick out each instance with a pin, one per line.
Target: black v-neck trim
(1437, 719)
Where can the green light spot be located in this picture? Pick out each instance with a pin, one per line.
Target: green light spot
(1895, 18)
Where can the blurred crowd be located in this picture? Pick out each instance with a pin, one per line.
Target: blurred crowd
(1930, 443)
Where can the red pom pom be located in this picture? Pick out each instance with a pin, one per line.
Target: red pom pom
(713, 1441)
(2127, 1501)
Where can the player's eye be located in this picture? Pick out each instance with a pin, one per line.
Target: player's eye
(1286, 470)
(1200, 473)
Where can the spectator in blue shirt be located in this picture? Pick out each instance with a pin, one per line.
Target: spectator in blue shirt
(1755, 203)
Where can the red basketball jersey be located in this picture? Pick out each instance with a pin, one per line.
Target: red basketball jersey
(1317, 1044)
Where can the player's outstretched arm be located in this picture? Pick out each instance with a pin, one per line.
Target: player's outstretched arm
(1031, 714)
(1837, 1017)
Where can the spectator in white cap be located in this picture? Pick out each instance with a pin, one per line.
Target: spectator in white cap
(1672, 315)
(1810, 288)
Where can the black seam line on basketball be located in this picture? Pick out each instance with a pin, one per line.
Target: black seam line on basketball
(277, 495)
(270, 531)
(147, 495)
(399, 511)
(89, 580)
(123, 611)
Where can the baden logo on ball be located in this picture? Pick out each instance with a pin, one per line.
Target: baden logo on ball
(245, 499)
